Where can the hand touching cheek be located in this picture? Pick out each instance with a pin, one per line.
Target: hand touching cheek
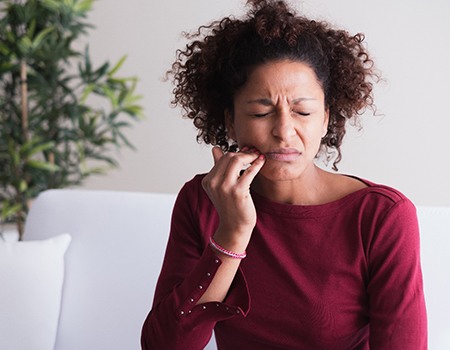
(229, 191)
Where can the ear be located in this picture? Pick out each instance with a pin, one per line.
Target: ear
(325, 122)
(229, 123)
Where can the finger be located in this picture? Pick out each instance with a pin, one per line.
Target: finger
(233, 162)
(240, 161)
(249, 174)
(228, 166)
(216, 174)
(217, 154)
(220, 164)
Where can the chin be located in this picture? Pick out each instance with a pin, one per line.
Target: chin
(281, 172)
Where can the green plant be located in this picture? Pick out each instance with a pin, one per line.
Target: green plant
(60, 118)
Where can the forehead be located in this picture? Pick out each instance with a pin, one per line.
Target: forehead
(291, 79)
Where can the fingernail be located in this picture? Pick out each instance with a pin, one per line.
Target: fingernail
(244, 149)
(261, 156)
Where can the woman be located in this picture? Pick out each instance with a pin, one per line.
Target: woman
(267, 249)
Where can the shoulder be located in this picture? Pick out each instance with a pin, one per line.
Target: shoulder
(352, 187)
(389, 193)
(383, 203)
(192, 194)
(194, 209)
(366, 194)
(193, 187)
(392, 197)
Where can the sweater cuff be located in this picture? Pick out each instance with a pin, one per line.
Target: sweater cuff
(236, 303)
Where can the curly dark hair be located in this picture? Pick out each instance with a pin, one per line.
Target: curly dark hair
(220, 56)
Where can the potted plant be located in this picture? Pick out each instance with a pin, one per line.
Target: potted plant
(60, 118)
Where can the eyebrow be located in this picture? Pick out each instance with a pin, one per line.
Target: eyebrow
(267, 102)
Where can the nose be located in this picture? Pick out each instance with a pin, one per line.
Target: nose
(283, 127)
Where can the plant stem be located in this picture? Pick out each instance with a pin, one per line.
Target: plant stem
(20, 227)
(24, 99)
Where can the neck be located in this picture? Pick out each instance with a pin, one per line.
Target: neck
(308, 189)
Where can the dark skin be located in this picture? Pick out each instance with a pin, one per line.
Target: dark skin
(278, 122)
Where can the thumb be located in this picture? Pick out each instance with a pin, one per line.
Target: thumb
(217, 154)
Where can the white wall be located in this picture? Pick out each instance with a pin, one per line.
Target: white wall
(406, 147)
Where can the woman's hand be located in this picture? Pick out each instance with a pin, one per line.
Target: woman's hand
(229, 191)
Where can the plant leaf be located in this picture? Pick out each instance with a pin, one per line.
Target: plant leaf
(40, 37)
(52, 5)
(37, 164)
(30, 148)
(23, 186)
(25, 45)
(117, 66)
(83, 6)
(8, 210)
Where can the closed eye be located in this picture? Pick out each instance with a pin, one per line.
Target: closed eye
(261, 115)
(302, 114)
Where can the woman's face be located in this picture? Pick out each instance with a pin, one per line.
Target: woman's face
(281, 112)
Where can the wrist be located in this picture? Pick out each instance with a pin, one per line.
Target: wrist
(232, 241)
(229, 253)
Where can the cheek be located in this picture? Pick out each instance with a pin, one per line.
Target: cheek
(246, 132)
(247, 140)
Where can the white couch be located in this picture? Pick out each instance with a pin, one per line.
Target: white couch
(118, 243)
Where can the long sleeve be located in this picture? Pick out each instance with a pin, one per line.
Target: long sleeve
(175, 321)
(343, 275)
(396, 299)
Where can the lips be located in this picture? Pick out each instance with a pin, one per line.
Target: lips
(283, 154)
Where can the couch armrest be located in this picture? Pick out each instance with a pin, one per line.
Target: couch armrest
(434, 225)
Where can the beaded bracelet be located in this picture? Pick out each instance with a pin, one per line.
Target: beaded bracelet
(225, 251)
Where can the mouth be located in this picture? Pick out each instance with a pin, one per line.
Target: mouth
(283, 154)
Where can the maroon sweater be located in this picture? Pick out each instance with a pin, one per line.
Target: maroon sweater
(343, 275)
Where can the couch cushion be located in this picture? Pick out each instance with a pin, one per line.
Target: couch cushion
(118, 243)
(31, 275)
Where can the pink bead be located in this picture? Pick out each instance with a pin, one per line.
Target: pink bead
(225, 251)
